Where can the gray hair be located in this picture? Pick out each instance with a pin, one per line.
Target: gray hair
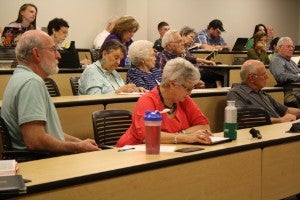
(139, 51)
(27, 42)
(168, 37)
(248, 68)
(283, 40)
(186, 31)
(180, 70)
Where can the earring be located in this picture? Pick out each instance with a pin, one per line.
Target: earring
(103, 60)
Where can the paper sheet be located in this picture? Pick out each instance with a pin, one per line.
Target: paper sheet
(143, 148)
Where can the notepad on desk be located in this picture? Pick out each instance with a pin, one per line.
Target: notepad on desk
(296, 59)
(218, 140)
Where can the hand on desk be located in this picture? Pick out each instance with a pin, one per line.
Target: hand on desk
(131, 88)
(86, 146)
(199, 136)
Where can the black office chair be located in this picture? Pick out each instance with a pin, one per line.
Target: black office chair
(110, 125)
(52, 87)
(74, 85)
(248, 117)
(8, 152)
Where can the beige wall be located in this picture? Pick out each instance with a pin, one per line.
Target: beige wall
(88, 18)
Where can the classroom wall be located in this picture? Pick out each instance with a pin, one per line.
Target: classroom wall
(88, 18)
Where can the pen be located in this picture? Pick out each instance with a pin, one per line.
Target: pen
(120, 150)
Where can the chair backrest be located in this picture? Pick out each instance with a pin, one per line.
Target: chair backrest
(52, 87)
(248, 117)
(5, 137)
(74, 85)
(110, 125)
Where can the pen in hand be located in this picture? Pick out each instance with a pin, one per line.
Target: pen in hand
(120, 150)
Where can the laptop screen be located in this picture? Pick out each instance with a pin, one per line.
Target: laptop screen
(240, 44)
(10, 36)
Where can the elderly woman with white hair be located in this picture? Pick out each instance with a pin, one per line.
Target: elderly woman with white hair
(184, 123)
(142, 57)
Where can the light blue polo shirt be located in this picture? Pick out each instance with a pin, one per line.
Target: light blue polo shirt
(26, 99)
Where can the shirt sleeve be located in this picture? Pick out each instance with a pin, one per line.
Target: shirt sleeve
(281, 74)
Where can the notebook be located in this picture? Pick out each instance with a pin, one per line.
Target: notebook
(239, 44)
(10, 36)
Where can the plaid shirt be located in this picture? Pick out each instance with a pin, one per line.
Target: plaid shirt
(162, 58)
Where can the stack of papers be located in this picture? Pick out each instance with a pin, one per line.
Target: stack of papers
(8, 167)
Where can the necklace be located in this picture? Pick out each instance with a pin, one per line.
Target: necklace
(172, 108)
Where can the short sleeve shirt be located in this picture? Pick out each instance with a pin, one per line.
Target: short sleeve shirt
(26, 99)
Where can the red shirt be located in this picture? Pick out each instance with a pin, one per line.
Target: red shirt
(187, 115)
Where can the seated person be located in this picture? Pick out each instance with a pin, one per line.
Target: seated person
(101, 77)
(123, 31)
(98, 41)
(286, 71)
(184, 123)
(173, 45)
(210, 78)
(58, 29)
(26, 19)
(27, 108)
(143, 72)
(249, 93)
(211, 38)
(273, 47)
(259, 49)
(162, 27)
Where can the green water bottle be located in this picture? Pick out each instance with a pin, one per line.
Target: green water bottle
(230, 120)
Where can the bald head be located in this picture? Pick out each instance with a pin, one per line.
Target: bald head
(253, 73)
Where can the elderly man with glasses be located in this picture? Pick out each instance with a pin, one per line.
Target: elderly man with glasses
(286, 71)
(249, 93)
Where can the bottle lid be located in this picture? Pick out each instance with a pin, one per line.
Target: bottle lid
(152, 116)
(230, 103)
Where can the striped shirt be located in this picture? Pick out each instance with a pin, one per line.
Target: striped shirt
(144, 79)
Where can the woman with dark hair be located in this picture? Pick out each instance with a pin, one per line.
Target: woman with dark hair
(123, 31)
(260, 27)
(101, 77)
(26, 18)
(259, 49)
(58, 29)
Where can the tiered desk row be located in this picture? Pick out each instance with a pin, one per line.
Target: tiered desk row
(243, 169)
(246, 168)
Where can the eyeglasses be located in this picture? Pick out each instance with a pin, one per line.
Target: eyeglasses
(263, 74)
(177, 42)
(189, 90)
(53, 48)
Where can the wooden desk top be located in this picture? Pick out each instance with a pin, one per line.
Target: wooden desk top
(69, 101)
(74, 169)
(61, 70)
